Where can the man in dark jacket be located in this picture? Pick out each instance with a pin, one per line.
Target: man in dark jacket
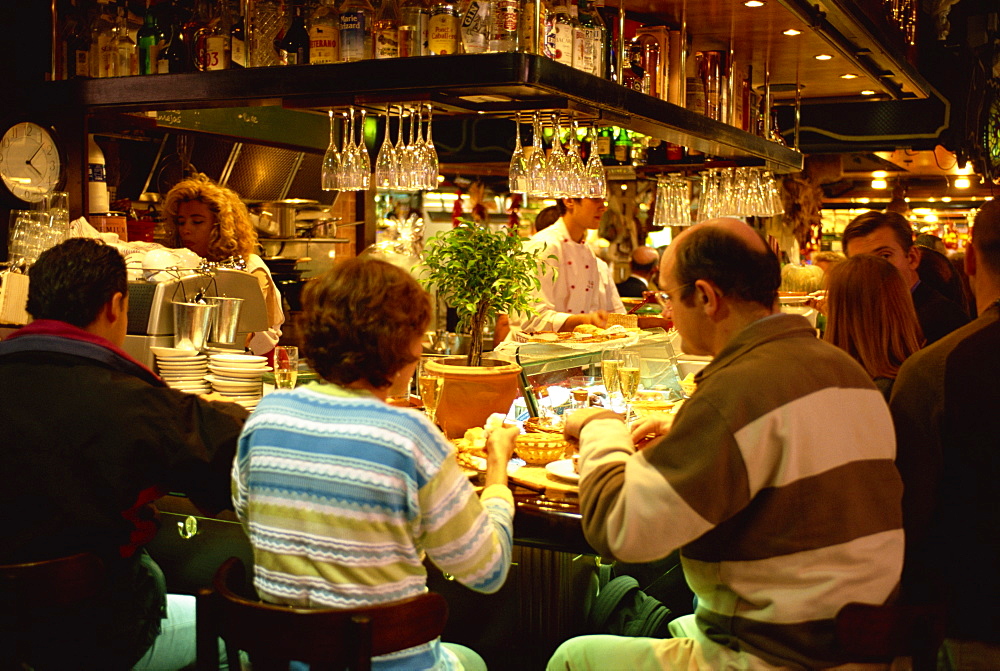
(889, 235)
(91, 438)
(644, 265)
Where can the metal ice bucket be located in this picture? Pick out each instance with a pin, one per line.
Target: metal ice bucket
(192, 322)
(225, 318)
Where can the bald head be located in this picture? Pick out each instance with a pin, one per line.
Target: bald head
(986, 236)
(644, 261)
(729, 254)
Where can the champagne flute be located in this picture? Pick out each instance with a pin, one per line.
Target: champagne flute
(347, 157)
(331, 163)
(577, 172)
(628, 377)
(386, 164)
(433, 165)
(610, 364)
(364, 161)
(558, 167)
(518, 178)
(430, 385)
(597, 185)
(537, 177)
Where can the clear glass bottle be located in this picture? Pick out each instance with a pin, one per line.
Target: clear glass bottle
(149, 39)
(101, 43)
(443, 28)
(560, 34)
(505, 26)
(590, 40)
(213, 39)
(356, 19)
(324, 34)
(413, 19)
(126, 53)
(386, 33)
(293, 48)
(190, 32)
(475, 25)
(609, 50)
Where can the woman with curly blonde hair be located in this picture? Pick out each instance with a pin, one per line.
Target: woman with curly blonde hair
(213, 222)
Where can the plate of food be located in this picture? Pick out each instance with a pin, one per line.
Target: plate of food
(563, 469)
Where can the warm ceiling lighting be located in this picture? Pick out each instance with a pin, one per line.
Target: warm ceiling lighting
(754, 3)
(823, 57)
(880, 174)
(864, 200)
(962, 182)
(848, 75)
(879, 184)
(945, 199)
(965, 169)
(791, 32)
(867, 92)
(922, 211)
(930, 218)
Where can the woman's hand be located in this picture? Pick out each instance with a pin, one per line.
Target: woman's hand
(499, 449)
(817, 301)
(652, 425)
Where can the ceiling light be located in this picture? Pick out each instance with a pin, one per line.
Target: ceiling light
(867, 92)
(823, 57)
(962, 183)
(945, 199)
(864, 200)
(932, 199)
(879, 184)
(922, 211)
(880, 174)
(848, 75)
(791, 32)
(754, 3)
(931, 218)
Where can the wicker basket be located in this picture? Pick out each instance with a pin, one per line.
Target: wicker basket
(540, 448)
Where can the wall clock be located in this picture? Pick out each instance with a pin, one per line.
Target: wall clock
(30, 163)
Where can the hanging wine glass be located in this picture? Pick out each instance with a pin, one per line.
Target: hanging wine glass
(421, 153)
(364, 164)
(518, 178)
(597, 185)
(330, 177)
(577, 173)
(432, 166)
(386, 164)
(537, 178)
(407, 159)
(558, 168)
(348, 166)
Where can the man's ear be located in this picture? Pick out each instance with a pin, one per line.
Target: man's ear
(913, 257)
(707, 296)
(115, 308)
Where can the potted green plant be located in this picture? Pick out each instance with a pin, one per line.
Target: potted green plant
(481, 273)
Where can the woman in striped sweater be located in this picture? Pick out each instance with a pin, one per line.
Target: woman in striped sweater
(343, 495)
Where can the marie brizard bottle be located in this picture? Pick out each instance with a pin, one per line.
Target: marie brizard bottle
(293, 48)
(356, 19)
(413, 19)
(324, 34)
(386, 32)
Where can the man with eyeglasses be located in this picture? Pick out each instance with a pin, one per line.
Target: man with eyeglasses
(776, 480)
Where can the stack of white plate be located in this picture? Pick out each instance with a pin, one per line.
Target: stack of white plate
(182, 369)
(238, 376)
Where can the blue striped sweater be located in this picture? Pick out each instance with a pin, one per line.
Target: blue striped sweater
(343, 495)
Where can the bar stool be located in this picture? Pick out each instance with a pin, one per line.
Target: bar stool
(33, 593)
(869, 633)
(324, 638)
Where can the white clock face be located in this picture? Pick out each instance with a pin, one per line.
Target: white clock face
(29, 161)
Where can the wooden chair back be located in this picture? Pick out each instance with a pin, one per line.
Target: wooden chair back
(869, 633)
(34, 592)
(324, 638)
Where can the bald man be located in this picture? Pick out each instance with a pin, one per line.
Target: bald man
(944, 404)
(783, 510)
(643, 266)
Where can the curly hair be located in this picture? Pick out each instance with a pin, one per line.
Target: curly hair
(359, 320)
(233, 233)
(870, 314)
(73, 280)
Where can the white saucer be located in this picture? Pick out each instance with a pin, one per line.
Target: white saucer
(170, 352)
(563, 469)
(237, 372)
(238, 359)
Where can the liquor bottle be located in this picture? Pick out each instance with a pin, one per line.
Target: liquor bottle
(609, 49)
(97, 180)
(293, 47)
(592, 40)
(560, 37)
(324, 34)
(356, 18)
(213, 39)
(386, 33)
(413, 20)
(102, 35)
(173, 56)
(238, 39)
(505, 26)
(475, 25)
(605, 142)
(649, 61)
(190, 35)
(149, 39)
(76, 41)
(126, 53)
(623, 147)
(442, 28)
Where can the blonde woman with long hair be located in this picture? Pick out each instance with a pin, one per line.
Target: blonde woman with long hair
(870, 315)
(213, 222)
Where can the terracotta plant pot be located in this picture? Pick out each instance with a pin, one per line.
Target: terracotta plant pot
(471, 394)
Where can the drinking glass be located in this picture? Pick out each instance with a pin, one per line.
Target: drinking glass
(387, 163)
(577, 173)
(348, 166)
(537, 173)
(629, 371)
(30, 235)
(433, 166)
(286, 366)
(597, 183)
(558, 167)
(611, 360)
(518, 178)
(330, 178)
(364, 162)
(430, 385)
